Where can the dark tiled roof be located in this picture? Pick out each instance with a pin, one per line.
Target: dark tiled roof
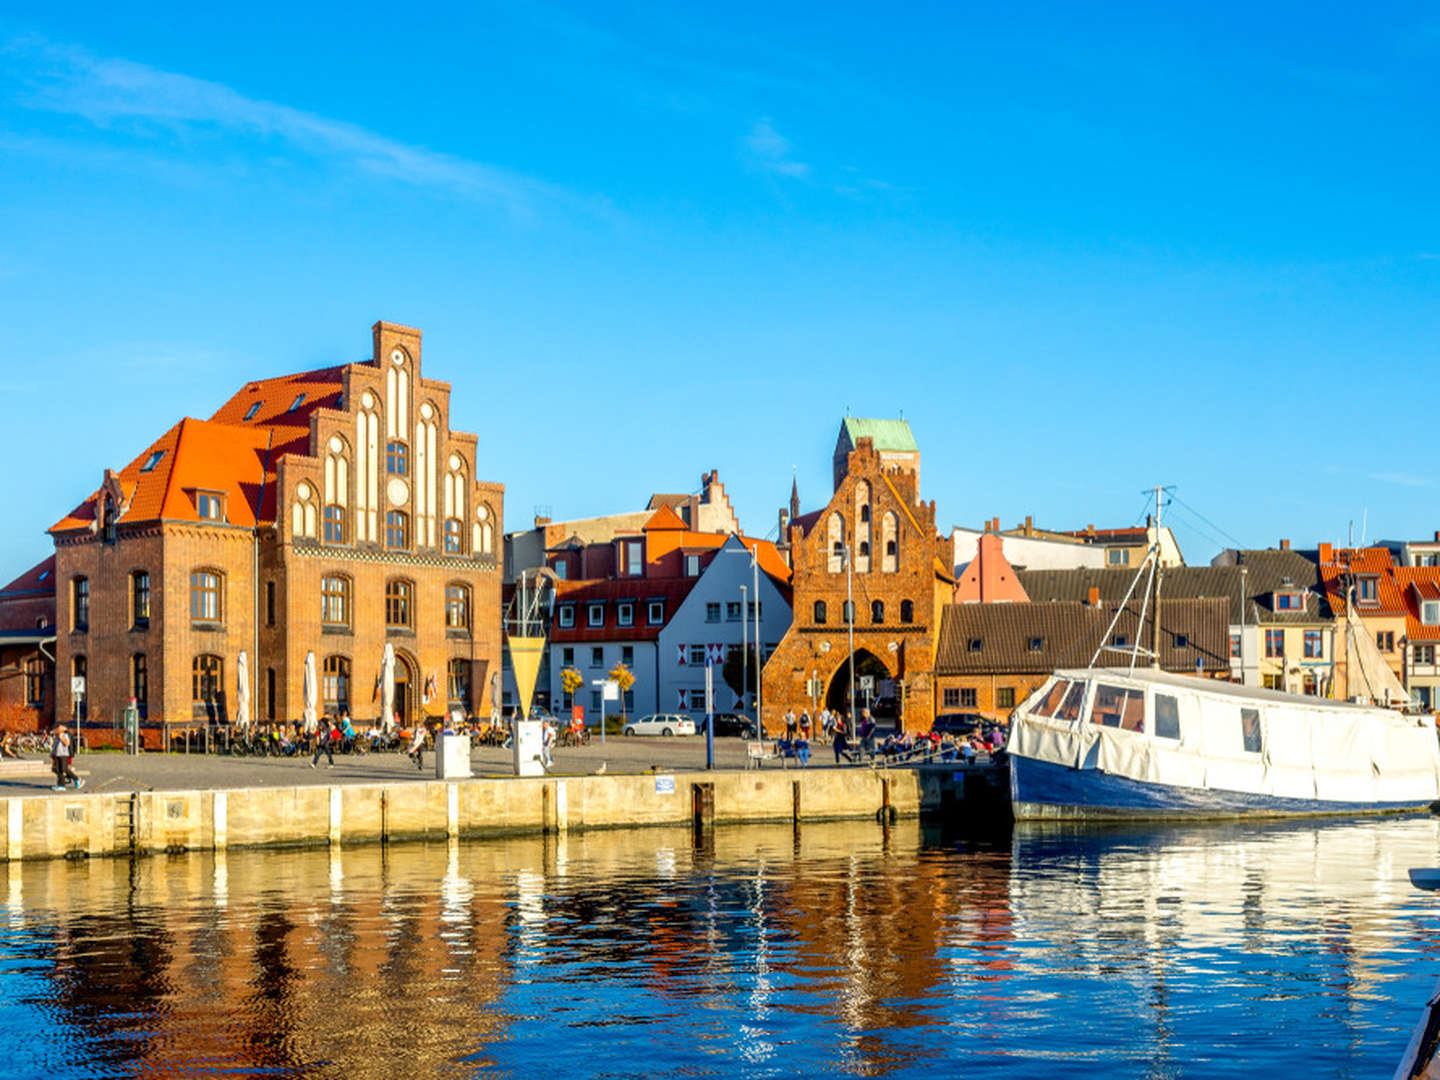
(1068, 633)
(640, 590)
(1266, 571)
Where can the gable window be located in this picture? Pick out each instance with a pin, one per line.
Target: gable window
(655, 612)
(80, 603)
(567, 616)
(210, 506)
(397, 458)
(205, 598)
(1366, 590)
(625, 613)
(457, 607)
(692, 565)
(820, 612)
(335, 684)
(335, 600)
(152, 461)
(712, 612)
(877, 611)
(595, 615)
(453, 533)
(907, 611)
(457, 680)
(251, 411)
(634, 558)
(397, 529)
(398, 603)
(1430, 612)
(1274, 644)
(334, 524)
(140, 599)
(1314, 645)
(207, 686)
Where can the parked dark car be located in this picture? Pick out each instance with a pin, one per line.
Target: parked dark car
(730, 724)
(961, 723)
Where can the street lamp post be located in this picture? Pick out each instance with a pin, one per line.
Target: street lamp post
(744, 651)
(759, 660)
(850, 631)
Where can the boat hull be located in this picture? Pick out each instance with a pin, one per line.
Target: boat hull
(1045, 791)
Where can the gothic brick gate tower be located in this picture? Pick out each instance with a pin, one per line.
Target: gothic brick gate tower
(899, 574)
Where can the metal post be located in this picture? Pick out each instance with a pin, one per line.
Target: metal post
(759, 656)
(745, 655)
(710, 715)
(850, 630)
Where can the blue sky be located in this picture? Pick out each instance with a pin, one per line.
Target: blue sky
(1085, 249)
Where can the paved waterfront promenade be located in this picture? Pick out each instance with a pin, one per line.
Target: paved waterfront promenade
(109, 771)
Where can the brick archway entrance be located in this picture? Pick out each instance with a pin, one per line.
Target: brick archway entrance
(837, 697)
(407, 687)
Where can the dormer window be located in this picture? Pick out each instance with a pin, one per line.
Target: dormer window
(975, 644)
(595, 615)
(1430, 612)
(299, 400)
(1290, 601)
(1367, 590)
(692, 565)
(254, 408)
(567, 616)
(210, 506)
(152, 461)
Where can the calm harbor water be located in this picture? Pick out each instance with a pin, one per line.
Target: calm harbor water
(837, 949)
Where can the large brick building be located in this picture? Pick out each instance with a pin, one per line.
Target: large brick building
(900, 574)
(332, 511)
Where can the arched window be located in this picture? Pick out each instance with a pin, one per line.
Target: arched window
(397, 529)
(334, 524)
(454, 534)
(863, 549)
(80, 603)
(865, 512)
(206, 596)
(457, 607)
(335, 600)
(907, 611)
(303, 513)
(890, 538)
(483, 534)
(397, 458)
(399, 603)
(457, 679)
(877, 611)
(207, 686)
(835, 543)
(335, 684)
(820, 612)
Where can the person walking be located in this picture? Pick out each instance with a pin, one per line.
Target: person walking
(416, 752)
(324, 740)
(547, 744)
(61, 750)
(840, 744)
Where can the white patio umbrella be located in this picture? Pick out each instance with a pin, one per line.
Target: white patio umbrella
(312, 695)
(387, 689)
(242, 691)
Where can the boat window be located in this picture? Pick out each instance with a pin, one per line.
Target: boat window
(1118, 707)
(1052, 699)
(1250, 729)
(1070, 710)
(1167, 717)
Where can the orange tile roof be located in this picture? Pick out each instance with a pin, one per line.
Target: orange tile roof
(1366, 562)
(266, 419)
(1418, 583)
(666, 518)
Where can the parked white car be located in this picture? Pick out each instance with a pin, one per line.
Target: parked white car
(661, 724)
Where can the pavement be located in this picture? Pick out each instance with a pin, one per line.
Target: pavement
(113, 771)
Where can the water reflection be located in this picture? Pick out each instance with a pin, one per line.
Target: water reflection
(843, 948)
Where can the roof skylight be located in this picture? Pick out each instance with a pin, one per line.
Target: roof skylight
(152, 461)
(254, 408)
(299, 400)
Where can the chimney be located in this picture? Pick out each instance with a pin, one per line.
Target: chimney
(1326, 553)
(1284, 545)
(1094, 598)
(1029, 525)
(995, 527)
(1090, 529)
(541, 521)
(1437, 536)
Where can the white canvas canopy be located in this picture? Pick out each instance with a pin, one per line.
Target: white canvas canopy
(242, 691)
(387, 689)
(1371, 680)
(311, 692)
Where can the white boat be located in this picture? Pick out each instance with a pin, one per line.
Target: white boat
(1144, 744)
(1421, 1060)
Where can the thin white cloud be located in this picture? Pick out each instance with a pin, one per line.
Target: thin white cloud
(769, 150)
(120, 94)
(1403, 479)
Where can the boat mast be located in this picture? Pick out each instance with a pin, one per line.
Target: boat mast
(1159, 576)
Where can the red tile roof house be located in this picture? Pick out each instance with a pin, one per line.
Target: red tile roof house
(332, 511)
(27, 650)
